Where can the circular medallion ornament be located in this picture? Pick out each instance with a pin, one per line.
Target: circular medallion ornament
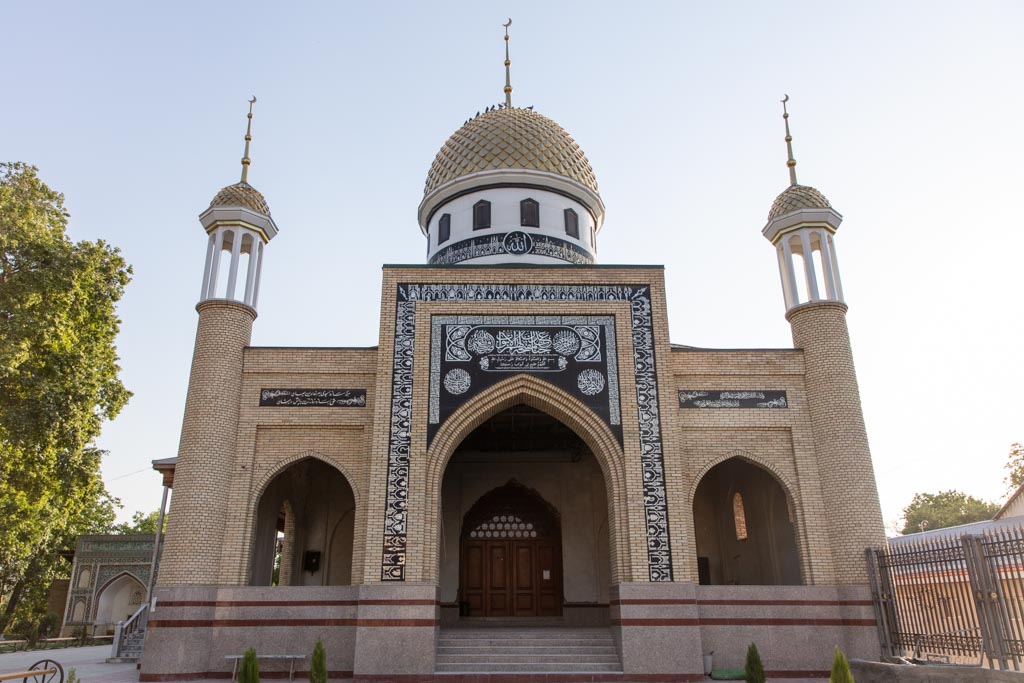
(590, 382)
(457, 381)
(518, 243)
(567, 342)
(480, 342)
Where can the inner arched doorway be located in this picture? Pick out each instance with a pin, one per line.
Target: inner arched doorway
(524, 526)
(304, 528)
(511, 555)
(745, 527)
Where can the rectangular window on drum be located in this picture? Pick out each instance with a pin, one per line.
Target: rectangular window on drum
(572, 224)
(444, 228)
(481, 215)
(529, 213)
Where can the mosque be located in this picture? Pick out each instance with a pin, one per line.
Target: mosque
(526, 479)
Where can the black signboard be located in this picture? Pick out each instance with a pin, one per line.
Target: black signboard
(732, 398)
(575, 353)
(313, 398)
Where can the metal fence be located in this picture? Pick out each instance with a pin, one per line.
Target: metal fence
(952, 599)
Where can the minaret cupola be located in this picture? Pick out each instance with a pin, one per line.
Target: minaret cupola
(511, 186)
(238, 223)
(801, 225)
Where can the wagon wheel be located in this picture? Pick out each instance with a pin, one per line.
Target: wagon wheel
(56, 677)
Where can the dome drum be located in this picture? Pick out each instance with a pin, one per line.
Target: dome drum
(511, 225)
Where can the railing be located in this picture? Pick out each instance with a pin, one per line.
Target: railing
(953, 599)
(123, 629)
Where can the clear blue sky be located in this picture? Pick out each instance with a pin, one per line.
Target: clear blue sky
(908, 116)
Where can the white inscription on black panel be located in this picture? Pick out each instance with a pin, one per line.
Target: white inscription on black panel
(648, 402)
(313, 398)
(472, 352)
(516, 243)
(732, 398)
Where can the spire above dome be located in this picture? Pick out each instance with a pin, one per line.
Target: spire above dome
(796, 196)
(242, 194)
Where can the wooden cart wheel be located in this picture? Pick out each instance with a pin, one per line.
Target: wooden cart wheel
(43, 665)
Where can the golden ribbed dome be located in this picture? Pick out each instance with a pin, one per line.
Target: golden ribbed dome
(244, 195)
(510, 138)
(797, 197)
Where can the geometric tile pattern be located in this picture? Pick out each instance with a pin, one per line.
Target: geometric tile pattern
(510, 138)
(797, 197)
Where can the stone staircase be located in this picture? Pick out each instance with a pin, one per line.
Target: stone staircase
(526, 650)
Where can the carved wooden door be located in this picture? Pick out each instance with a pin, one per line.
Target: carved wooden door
(511, 556)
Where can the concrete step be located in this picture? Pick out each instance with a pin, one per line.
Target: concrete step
(506, 648)
(526, 642)
(529, 667)
(560, 658)
(524, 651)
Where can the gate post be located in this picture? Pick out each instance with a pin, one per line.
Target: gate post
(988, 599)
(881, 600)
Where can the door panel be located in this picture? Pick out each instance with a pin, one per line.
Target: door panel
(498, 579)
(525, 578)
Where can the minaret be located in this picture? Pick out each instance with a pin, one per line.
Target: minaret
(238, 226)
(801, 225)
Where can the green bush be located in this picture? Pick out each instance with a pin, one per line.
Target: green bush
(49, 625)
(318, 664)
(840, 669)
(753, 669)
(250, 672)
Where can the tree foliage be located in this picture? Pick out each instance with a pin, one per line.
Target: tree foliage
(840, 668)
(250, 671)
(945, 509)
(753, 669)
(58, 376)
(142, 523)
(1014, 468)
(318, 664)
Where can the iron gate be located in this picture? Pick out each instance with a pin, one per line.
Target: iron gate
(959, 599)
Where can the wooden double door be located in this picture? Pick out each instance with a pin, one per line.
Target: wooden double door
(512, 577)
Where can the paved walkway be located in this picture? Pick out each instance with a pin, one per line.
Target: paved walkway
(88, 663)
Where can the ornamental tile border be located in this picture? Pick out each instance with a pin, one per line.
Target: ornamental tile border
(659, 555)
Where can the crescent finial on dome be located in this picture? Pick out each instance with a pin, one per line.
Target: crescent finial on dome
(508, 69)
(791, 163)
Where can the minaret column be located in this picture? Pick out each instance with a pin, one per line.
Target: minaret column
(840, 437)
(206, 452)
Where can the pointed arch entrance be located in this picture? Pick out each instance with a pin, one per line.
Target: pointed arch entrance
(511, 555)
(745, 527)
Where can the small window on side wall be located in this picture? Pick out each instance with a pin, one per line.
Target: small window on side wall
(529, 213)
(481, 215)
(572, 224)
(444, 228)
(739, 516)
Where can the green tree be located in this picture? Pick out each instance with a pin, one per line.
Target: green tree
(318, 664)
(1014, 468)
(840, 669)
(250, 671)
(58, 373)
(142, 523)
(753, 669)
(944, 509)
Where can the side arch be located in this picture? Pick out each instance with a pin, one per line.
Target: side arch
(115, 600)
(775, 475)
(311, 498)
(545, 397)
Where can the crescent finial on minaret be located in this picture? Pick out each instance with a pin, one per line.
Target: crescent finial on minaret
(248, 138)
(791, 163)
(508, 72)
